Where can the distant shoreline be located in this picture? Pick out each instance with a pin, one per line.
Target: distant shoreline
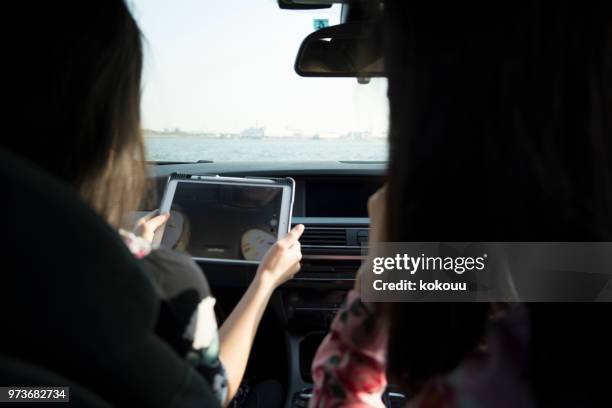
(191, 148)
(181, 134)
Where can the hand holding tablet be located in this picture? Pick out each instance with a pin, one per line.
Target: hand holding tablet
(146, 226)
(282, 261)
(227, 219)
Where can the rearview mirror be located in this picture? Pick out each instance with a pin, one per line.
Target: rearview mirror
(344, 50)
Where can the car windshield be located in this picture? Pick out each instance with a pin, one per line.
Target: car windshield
(219, 85)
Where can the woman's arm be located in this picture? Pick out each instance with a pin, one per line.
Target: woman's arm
(237, 333)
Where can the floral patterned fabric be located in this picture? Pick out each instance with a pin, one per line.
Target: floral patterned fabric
(349, 367)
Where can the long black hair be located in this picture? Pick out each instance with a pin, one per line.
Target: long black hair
(500, 130)
(500, 121)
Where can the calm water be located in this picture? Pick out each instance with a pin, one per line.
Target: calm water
(193, 148)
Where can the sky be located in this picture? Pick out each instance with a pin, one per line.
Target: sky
(227, 65)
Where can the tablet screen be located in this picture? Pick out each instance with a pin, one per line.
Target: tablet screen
(224, 221)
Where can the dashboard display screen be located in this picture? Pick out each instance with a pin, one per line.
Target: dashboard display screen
(223, 221)
(339, 198)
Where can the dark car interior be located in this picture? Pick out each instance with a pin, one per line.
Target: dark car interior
(228, 92)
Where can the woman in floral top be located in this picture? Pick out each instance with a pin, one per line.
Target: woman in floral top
(350, 367)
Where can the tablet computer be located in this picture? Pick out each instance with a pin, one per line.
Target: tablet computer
(225, 219)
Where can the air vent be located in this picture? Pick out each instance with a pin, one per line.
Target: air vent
(321, 236)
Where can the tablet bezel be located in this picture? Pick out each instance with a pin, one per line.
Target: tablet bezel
(284, 223)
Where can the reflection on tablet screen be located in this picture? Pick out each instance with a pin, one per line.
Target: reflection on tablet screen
(224, 221)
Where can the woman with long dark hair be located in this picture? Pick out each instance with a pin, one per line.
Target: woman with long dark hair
(500, 130)
(79, 78)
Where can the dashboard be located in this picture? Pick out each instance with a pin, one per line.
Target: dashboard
(330, 200)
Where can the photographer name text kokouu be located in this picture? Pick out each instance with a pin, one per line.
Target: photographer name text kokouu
(421, 285)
